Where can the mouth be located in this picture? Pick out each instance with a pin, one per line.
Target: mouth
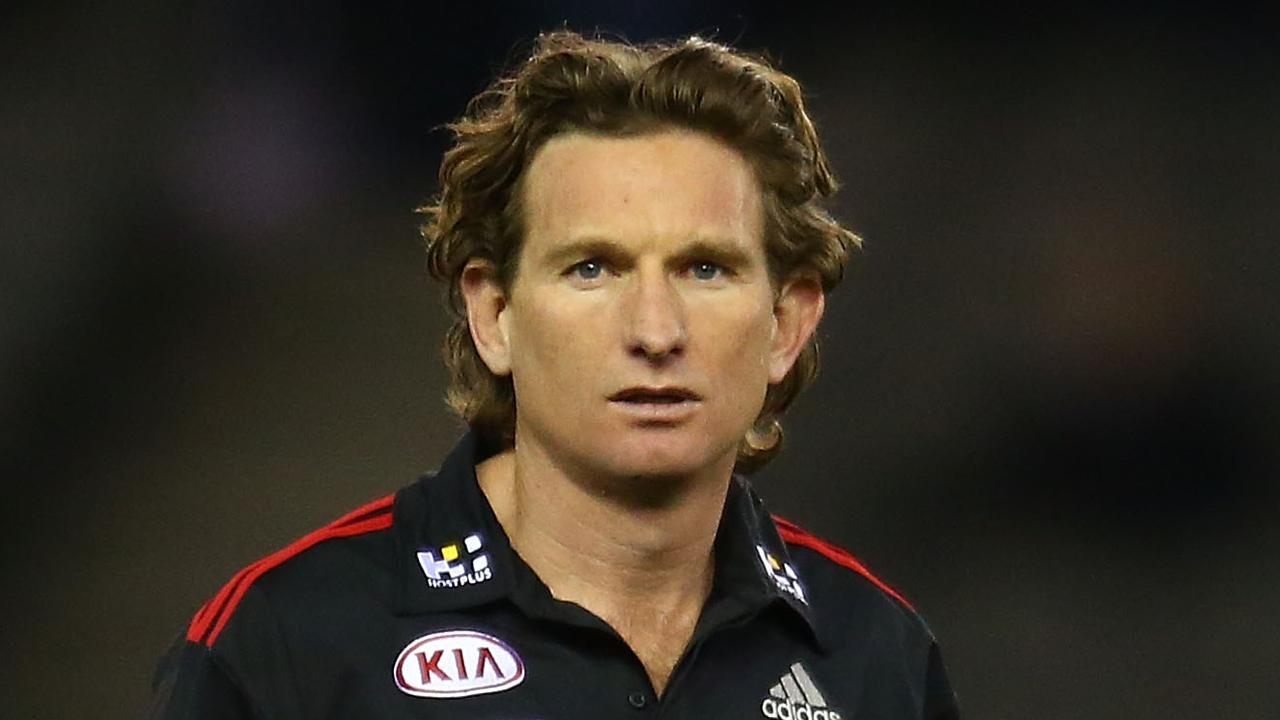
(669, 395)
(657, 407)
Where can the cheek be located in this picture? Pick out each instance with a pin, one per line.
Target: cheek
(740, 344)
(553, 340)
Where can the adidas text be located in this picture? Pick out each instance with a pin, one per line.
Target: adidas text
(776, 709)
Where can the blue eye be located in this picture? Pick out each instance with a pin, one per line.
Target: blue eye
(588, 269)
(705, 270)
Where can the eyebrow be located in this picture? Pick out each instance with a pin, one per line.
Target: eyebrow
(723, 252)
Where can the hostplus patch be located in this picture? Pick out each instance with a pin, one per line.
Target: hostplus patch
(456, 564)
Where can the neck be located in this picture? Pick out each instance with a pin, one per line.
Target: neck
(625, 538)
(636, 553)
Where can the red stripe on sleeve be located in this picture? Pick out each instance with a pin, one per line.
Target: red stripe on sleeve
(794, 534)
(367, 518)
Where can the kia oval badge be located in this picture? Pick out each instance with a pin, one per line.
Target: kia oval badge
(457, 663)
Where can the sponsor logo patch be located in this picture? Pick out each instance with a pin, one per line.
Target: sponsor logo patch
(457, 663)
(456, 564)
(783, 574)
(796, 697)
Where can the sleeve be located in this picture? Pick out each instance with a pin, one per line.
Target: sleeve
(241, 669)
(939, 700)
(190, 684)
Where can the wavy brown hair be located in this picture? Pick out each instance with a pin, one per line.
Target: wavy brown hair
(573, 83)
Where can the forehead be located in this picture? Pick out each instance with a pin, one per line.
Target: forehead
(668, 185)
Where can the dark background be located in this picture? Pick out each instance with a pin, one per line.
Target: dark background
(1048, 408)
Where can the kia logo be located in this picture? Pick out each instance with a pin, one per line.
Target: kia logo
(457, 663)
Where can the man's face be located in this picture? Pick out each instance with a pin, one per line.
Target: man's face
(640, 328)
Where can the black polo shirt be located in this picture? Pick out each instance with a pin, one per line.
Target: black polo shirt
(416, 606)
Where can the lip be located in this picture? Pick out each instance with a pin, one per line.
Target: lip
(662, 404)
(655, 394)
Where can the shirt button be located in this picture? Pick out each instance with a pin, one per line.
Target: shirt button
(637, 700)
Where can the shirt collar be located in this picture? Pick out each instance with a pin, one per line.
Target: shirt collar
(454, 554)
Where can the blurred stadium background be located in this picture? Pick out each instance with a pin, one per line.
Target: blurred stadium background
(1048, 411)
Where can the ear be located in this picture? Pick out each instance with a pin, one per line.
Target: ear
(486, 308)
(796, 314)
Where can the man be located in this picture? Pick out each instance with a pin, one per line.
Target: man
(637, 259)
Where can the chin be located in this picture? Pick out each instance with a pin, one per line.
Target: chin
(661, 454)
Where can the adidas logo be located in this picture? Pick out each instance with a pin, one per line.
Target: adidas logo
(796, 697)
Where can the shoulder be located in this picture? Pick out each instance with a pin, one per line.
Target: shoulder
(238, 657)
(836, 559)
(843, 586)
(345, 549)
(860, 614)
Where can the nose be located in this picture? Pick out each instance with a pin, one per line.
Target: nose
(655, 317)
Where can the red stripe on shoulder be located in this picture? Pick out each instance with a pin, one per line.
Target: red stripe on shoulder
(376, 507)
(213, 616)
(796, 535)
